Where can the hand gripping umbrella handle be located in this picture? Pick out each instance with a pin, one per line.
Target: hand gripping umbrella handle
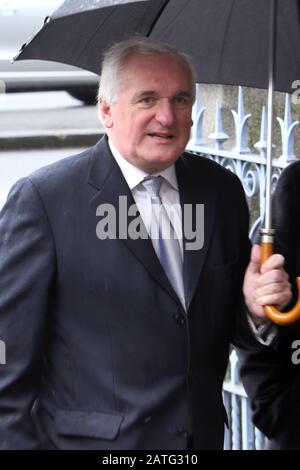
(281, 318)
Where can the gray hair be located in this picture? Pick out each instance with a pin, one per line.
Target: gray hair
(113, 59)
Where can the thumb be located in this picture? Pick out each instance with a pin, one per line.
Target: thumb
(254, 264)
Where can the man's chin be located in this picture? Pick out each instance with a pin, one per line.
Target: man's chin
(159, 162)
(163, 153)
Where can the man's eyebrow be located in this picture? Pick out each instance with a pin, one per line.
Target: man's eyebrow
(145, 93)
(186, 93)
(142, 94)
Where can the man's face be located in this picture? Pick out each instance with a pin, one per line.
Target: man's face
(150, 121)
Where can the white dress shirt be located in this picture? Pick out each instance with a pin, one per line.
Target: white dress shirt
(169, 192)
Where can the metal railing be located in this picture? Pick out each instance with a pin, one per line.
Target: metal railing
(241, 433)
(250, 167)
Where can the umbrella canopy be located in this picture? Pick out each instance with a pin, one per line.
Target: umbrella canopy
(79, 31)
(227, 40)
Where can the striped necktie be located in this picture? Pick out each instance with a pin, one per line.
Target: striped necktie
(163, 236)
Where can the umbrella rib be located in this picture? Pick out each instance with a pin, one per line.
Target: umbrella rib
(174, 19)
(92, 36)
(225, 35)
(161, 10)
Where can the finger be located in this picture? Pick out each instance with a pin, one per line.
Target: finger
(274, 262)
(274, 294)
(276, 276)
(273, 289)
(254, 264)
(278, 300)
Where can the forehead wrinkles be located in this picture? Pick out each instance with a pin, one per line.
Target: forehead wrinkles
(158, 69)
(155, 66)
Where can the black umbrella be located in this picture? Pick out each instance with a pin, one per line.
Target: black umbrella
(237, 42)
(228, 40)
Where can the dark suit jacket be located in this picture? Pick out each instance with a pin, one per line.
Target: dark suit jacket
(272, 378)
(100, 354)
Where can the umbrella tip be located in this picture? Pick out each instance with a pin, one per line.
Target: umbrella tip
(18, 53)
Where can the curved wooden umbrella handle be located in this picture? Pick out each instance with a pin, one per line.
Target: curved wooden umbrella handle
(281, 318)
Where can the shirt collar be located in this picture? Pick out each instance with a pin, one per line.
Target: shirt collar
(134, 175)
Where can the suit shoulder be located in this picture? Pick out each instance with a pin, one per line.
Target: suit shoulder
(63, 170)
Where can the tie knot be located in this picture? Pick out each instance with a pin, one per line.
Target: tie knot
(152, 185)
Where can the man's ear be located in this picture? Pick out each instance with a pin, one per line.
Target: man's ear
(105, 111)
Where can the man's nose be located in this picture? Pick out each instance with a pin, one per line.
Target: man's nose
(165, 113)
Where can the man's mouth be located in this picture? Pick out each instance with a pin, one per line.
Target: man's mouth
(161, 135)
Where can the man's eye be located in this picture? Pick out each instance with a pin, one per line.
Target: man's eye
(181, 100)
(147, 100)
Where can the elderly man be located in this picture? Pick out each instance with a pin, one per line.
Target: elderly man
(117, 335)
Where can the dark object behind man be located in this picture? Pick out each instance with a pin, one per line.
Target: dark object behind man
(272, 377)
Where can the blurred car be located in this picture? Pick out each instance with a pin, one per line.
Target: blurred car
(19, 21)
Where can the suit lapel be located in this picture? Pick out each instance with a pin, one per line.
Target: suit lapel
(107, 179)
(195, 189)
